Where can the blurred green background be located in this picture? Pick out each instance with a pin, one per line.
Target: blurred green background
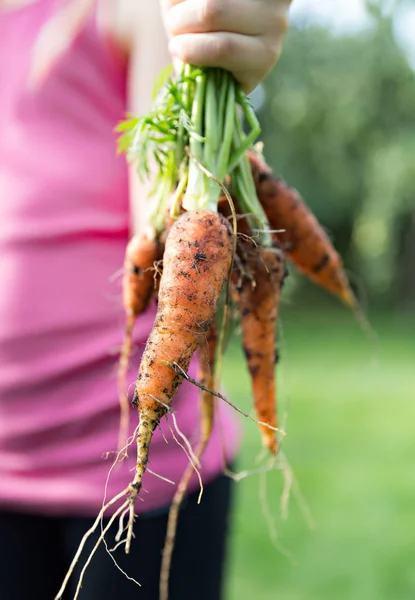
(338, 118)
(350, 441)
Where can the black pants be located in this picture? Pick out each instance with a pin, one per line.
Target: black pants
(36, 552)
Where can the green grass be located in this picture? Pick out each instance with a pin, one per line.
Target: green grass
(351, 444)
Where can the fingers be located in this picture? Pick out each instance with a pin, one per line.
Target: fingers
(219, 49)
(249, 58)
(203, 16)
(241, 36)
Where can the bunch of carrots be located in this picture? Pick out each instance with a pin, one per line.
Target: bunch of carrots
(223, 225)
(220, 232)
(221, 229)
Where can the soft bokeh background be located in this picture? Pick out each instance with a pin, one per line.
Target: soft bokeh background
(338, 118)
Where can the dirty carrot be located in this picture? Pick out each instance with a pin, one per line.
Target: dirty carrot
(138, 283)
(257, 297)
(206, 377)
(302, 237)
(197, 260)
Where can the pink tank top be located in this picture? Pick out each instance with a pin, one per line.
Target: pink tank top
(64, 226)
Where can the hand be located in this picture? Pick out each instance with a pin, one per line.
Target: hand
(241, 36)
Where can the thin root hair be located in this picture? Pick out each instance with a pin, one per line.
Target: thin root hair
(119, 543)
(121, 527)
(115, 463)
(112, 550)
(95, 548)
(168, 408)
(186, 441)
(271, 521)
(130, 532)
(158, 269)
(249, 473)
(299, 498)
(160, 476)
(194, 461)
(178, 368)
(90, 531)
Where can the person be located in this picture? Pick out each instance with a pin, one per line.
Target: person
(68, 205)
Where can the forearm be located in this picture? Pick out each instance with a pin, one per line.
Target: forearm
(146, 44)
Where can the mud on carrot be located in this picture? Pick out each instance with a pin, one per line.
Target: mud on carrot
(257, 293)
(302, 237)
(197, 260)
(138, 283)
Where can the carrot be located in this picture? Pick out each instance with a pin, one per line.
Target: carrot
(257, 297)
(206, 379)
(244, 237)
(141, 253)
(197, 260)
(138, 284)
(303, 239)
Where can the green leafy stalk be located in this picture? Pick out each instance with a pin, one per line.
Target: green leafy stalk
(243, 189)
(194, 137)
(197, 193)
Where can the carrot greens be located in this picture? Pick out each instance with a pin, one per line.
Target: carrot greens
(193, 135)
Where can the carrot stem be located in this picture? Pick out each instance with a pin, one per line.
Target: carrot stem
(196, 116)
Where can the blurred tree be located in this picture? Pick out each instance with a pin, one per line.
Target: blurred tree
(338, 121)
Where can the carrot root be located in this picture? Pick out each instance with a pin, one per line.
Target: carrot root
(196, 264)
(144, 436)
(303, 239)
(206, 377)
(258, 298)
(122, 389)
(141, 256)
(90, 531)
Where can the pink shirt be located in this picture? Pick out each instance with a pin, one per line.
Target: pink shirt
(64, 225)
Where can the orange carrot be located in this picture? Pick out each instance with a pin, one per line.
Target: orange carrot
(303, 239)
(138, 284)
(197, 260)
(141, 253)
(206, 378)
(257, 297)
(207, 353)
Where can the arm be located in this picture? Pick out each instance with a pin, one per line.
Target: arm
(139, 28)
(242, 36)
(149, 54)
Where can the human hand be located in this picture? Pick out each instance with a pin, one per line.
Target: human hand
(241, 36)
